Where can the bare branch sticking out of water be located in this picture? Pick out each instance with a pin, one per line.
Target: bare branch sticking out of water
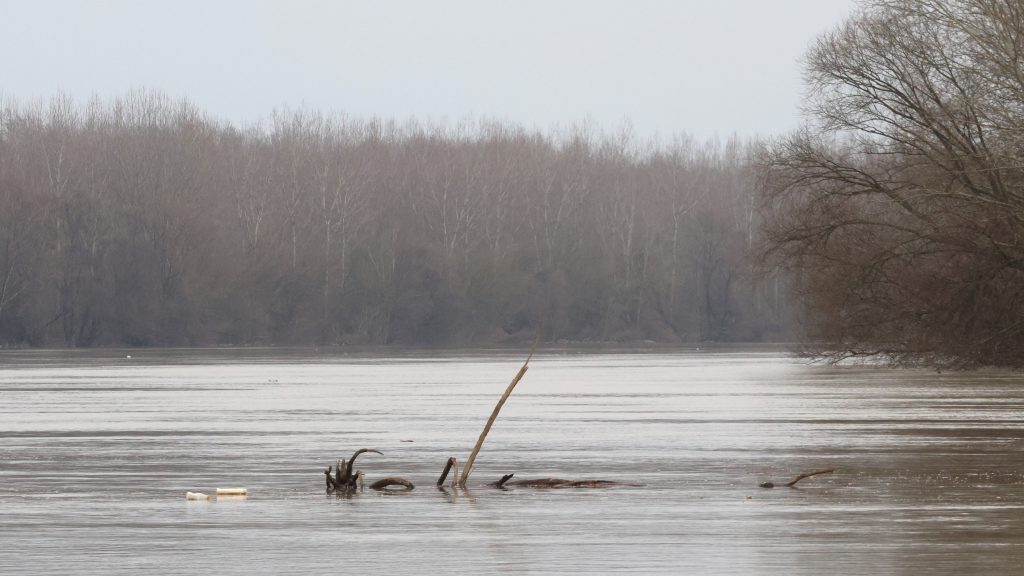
(494, 414)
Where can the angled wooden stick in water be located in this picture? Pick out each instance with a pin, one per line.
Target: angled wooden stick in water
(447, 468)
(494, 415)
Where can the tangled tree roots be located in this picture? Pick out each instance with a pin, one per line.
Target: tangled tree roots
(344, 480)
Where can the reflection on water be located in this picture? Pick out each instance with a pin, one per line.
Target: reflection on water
(97, 452)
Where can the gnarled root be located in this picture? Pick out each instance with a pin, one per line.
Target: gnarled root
(344, 479)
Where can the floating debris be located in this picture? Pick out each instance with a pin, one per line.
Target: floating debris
(231, 492)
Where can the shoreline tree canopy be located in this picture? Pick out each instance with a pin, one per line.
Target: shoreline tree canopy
(900, 208)
(140, 221)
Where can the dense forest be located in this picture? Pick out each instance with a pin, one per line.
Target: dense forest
(900, 208)
(142, 221)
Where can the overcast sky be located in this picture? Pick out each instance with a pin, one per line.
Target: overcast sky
(707, 67)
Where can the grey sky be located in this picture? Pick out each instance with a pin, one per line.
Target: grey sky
(705, 67)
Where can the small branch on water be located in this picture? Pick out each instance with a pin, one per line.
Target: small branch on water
(799, 478)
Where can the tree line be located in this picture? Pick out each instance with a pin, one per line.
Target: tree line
(142, 221)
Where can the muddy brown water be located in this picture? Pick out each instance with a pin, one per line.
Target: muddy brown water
(98, 450)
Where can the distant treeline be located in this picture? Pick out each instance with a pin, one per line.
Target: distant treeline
(141, 221)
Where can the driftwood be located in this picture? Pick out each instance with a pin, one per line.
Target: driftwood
(447, 468)
(506, 481)
(344, 480)
(793, 482)
(392, 483)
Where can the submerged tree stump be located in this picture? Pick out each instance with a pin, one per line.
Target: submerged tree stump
(344, 480)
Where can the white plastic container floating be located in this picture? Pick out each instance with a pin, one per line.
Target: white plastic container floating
(196, 496)
(231, 492)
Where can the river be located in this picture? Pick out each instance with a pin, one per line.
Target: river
(97, 451)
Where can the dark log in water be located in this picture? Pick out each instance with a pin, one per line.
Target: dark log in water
(793, 482)
(391, 483)
(506, 481)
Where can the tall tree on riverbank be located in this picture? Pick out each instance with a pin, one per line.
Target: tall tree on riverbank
(901, 206)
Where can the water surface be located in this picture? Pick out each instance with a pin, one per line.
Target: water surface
(97, 452)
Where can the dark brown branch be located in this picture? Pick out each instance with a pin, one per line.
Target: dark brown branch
(559, 483)
(808, 475)
(352, 461)
(504, 479)
(390, 482)
(447, 468)
(799, 478)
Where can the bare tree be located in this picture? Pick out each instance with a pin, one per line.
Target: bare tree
(901, 205)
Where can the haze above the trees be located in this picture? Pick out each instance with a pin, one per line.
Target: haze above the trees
(705, 68)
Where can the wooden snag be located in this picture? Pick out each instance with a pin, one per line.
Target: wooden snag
(344, 479)
(559, 483)
(468, 469)
(447, 468)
